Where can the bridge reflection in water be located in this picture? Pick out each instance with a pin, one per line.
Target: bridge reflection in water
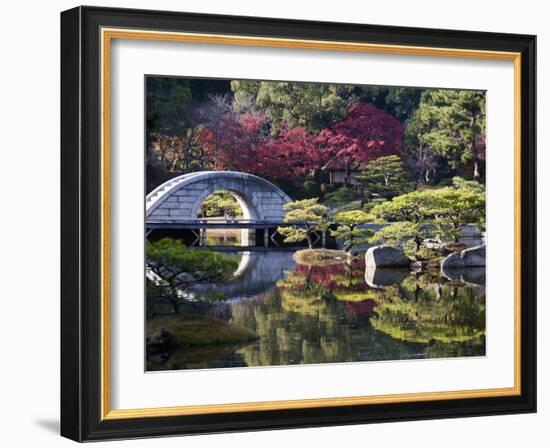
(256, 274)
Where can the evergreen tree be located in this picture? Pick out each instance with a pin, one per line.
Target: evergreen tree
(348, 231)
(306, 217)
(385, 177)
(452, 124)
(413, 216)
(296, 104)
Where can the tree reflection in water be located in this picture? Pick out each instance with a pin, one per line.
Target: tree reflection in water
(430, 312)
(326, 314)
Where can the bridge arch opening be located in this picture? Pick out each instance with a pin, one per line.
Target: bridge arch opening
(226, 205)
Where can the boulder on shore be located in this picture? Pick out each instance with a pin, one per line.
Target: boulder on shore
(470, 230)
(473, 257)
(386, 257)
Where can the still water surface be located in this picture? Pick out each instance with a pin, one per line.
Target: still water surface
(337, 313)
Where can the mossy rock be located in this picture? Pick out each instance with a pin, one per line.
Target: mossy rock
(195, 331)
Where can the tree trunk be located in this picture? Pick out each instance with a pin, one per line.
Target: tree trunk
(476, 159)
(174, 163)
(456, 233)
(350, 241)
(417, 242)
(309, 240)
(477, 174)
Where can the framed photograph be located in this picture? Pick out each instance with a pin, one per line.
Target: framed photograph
(276, 224)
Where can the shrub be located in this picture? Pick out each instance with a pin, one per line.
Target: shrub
(178, 266)
(340, 196)
(311, 189)
(328, 188)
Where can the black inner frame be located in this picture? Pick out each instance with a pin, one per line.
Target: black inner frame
(81, 224)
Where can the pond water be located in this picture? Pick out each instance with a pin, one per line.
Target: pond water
(343, 312)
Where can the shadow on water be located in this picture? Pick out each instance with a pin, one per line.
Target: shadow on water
(343, 312)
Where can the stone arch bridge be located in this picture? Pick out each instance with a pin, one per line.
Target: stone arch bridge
(176, 203)
(181, 198)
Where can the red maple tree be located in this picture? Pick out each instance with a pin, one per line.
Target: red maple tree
(240, 143)
(366, 133)
(294, 153)
(230, 141)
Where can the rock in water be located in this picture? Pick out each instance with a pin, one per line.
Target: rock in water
(473, 257)
(384, 277)
(386, 257)
(473, 276)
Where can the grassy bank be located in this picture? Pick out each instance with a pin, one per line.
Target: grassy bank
(195, 331)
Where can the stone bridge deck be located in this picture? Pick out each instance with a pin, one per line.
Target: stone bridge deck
(215, 224)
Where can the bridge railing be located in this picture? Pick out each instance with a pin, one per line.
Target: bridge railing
(257, 222)
(211, 221)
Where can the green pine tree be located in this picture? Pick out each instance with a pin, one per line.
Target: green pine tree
(348, 231)
(305, 218)
(385, 177)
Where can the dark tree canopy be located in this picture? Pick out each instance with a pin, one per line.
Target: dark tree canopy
(294, 133)
(451, 125)
(307, 105)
